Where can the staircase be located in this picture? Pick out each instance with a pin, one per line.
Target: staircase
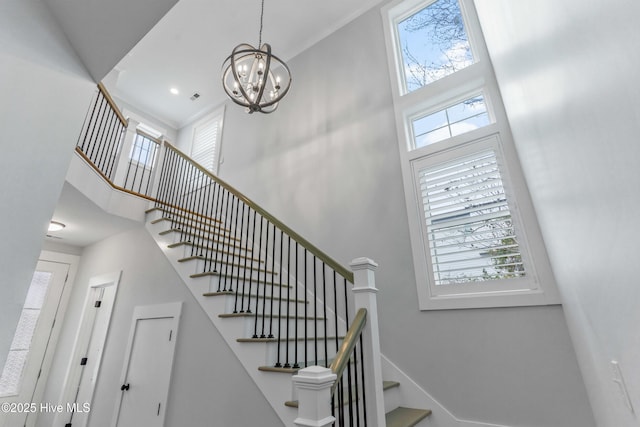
(236, 318)
(279, 302)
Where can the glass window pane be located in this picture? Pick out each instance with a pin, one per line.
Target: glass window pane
(12, 373)
(467, 108)
(457, 119)
(38, 289)
(24, 330)
(429, 123)
(433, 43)
(469, 124)
(433, 137)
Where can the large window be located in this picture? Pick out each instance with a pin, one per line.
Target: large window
(207, 133)
(474, 236)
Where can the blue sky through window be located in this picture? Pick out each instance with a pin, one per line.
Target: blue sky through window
(433, 43)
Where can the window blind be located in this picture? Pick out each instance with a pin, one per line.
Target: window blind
(469, 228)
(205, 140)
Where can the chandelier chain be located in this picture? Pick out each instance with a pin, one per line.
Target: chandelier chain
(261, 18)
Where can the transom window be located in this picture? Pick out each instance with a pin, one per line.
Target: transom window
(457, 119)
(434, 43)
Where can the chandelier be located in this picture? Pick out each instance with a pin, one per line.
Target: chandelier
(255, 78)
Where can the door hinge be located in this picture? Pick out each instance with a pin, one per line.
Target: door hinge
(83, 361)
(170, 334)
(39, 373)
(97, 304)
(158, 408)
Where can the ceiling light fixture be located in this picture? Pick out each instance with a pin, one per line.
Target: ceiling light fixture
(56, 226)
(174, 91)
(254, 77)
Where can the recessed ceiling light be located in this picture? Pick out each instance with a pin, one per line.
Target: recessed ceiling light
(174, 91)
(56, 226)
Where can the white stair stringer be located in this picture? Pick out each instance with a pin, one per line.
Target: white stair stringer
(276, 387)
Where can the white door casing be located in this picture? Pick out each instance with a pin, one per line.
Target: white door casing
(81, 376)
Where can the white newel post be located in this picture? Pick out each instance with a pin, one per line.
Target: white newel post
(125, 150)
(157, 169)
(314, 396)
(365, 290)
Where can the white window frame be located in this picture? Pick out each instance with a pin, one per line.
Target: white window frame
(540, 288)
(218, 116)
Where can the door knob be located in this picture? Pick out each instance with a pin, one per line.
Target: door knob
(124, 387)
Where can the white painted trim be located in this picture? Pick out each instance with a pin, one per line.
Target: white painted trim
(156, 311)
(82, 340)
(436, 95)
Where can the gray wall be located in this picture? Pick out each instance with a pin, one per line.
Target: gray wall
(209, 387)
(568, 72)
(103, 32)
(327, 163)
(44, 95)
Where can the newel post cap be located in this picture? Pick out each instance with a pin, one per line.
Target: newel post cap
(363, 263)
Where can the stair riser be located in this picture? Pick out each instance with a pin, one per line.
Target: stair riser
(215, 282)
(213, 242)
(271, 352)
(270, 326)
(233, 266)
(166, 218)
(232, 304)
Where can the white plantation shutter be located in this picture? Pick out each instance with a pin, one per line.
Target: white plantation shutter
(206, 138)
(468, 226)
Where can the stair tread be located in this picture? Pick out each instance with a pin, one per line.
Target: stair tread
(189, 215)
(212, 259)
(237, 277)
(267, 315)
(238, 265)
(175, 245)
(273, 297)
(406, 417)
(222, 235)
(385, 386)
(256, 340)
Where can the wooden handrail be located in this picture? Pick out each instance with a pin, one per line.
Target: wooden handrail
(341, 361)
(336, 266)
(113, 105)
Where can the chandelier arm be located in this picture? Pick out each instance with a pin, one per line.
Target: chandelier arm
(267, 64)
(236, 76)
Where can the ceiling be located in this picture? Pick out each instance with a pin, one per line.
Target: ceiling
(85, 222)
(186, 48)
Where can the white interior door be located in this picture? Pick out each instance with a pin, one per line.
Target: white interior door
(84, 365)
(147, 370)
(26, 357)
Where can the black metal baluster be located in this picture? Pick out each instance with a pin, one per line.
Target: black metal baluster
(295, 323)
(255, 326)
(273, 275)
(286, 359)
(278, 364)
(364, 386)
(315, 309)
(306, 345)
(242, 232)
(234, 242)
(324, 305)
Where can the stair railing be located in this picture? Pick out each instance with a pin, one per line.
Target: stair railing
(297, 296)
(102, 134)
(260, 260)
(349, 392)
